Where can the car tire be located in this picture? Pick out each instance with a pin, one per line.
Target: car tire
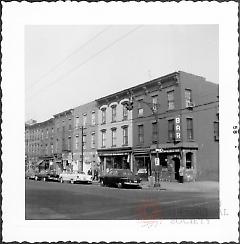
(36, 178)
(119, 185)
(61, 180)
(71, 181)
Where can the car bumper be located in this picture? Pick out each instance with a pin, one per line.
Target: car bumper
(131, 183)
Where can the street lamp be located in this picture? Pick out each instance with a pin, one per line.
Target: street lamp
(154, 110)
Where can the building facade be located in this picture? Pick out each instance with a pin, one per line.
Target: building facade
(63, 138)
(85, 137)
(114, 132)
(176, 121)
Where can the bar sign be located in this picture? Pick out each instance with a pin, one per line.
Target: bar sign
(177, 128)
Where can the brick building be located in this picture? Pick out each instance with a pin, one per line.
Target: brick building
(85, 137)
(176, 114)
(63, 136)
(114, 131)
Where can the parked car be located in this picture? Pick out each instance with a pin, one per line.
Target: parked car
(52, 175)
(75, 177)
(120, 178)
(30, 174)
(42, 175)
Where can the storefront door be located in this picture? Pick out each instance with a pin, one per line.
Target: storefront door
(176, 167)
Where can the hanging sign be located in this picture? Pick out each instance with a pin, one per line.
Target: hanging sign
(177, 128)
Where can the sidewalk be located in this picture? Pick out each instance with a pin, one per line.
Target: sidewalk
(198, 186)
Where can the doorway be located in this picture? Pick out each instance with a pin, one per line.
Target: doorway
(176, 167)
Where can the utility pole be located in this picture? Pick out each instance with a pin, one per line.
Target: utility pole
(82, 149)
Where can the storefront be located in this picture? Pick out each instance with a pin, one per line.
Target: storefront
(172, 159)
(142, 162)
(115, 159)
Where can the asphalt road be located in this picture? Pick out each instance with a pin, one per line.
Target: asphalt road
(53, 200)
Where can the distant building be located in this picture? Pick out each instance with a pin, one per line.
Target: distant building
(85, 137)
(114, 132)
(63, 138)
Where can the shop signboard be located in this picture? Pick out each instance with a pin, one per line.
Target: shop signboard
(178, 128)
(157, 162)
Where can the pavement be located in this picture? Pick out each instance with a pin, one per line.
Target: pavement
(197, 186)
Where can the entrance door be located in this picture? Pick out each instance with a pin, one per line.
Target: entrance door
(176, 167)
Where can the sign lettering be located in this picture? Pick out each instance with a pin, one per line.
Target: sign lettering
(178, 128)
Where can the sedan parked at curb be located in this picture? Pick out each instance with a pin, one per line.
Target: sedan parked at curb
(75, 177)
(42, 175)
(120, 178)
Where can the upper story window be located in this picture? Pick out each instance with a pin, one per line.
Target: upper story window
(93, 140)
(93, 118)
(125, 135)
(52, 148)
(84, 120)
(189, 128)
(76, 142)
(104, 116)
(103, 132)
(154, 102)
(171, 130)
(47, 133)
(125, 112)
(114, 113)
(77, 122)
(140, 134)
(154, 132)
(188, 97)
(70, 127)
(170, 97)
(114, 137)
(140, 108)
(69, 143)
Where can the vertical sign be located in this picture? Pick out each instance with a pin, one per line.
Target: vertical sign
(178, 128)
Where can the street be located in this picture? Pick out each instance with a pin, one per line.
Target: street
(53, 200)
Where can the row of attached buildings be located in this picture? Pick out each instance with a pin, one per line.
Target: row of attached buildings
(174, 118)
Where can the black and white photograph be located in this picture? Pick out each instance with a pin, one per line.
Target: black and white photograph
(120, 124)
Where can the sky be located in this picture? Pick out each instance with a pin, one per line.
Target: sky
(66, 66)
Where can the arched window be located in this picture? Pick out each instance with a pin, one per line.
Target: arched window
(189, 160)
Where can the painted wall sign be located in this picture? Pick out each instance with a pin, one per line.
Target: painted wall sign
(178, 128)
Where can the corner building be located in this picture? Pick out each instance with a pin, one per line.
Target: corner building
(175, 119)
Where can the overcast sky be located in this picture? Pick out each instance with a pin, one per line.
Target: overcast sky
(66, 66)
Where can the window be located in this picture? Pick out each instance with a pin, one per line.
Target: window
(154, 132)
(70, 127)
(84, 141)
(125, 135)
(188, 97)
(114, 113)
(216, 130)
(170, 97)
(76, 142)
(154, 103)
(69, 143)
(93, 118)
(93, 140)
(140, 109)
(171, 129)
(140, 134)
(189, 128)
(77, 122)
(52, 148)
(125, 112)
(104, 116)
(56, 145)
(189, 160)
(47, 134)
(103, 138)
(114, 132)
(84, 120)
